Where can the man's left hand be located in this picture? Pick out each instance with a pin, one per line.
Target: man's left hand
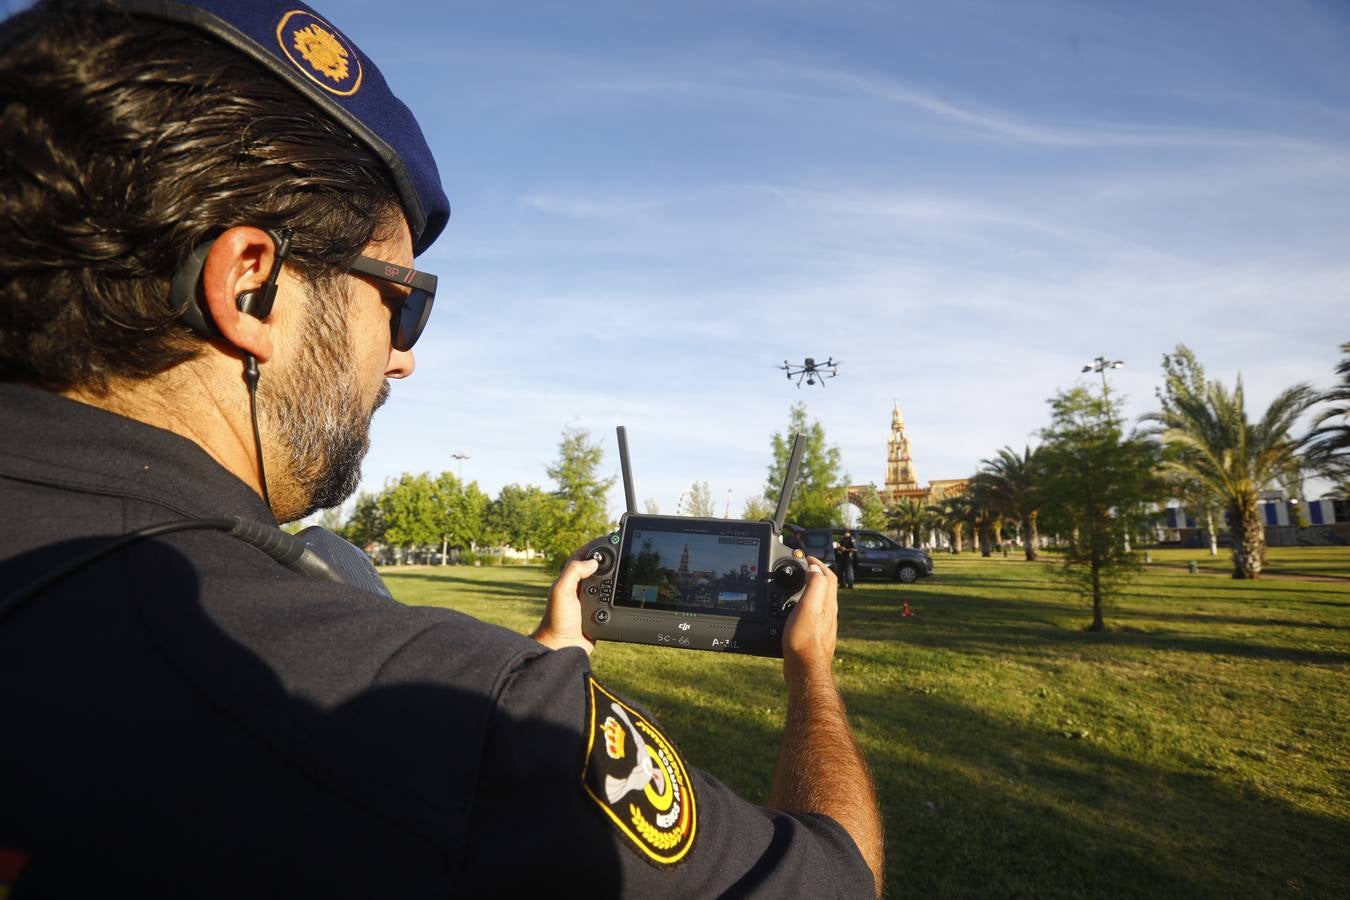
(561, 625)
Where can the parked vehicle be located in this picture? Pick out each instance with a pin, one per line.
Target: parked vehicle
(879, 557)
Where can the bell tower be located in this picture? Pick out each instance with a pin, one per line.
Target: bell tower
(900, 477)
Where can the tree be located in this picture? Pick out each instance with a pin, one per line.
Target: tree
(1210, 440)
(366, 525)
(873, 508)
(949, 516)
(909, 517)
(1184, 378)
(651, 507)
(698, 501)
(1100, 480)
(520, 516)
(1011, 485)
(757, 509)
(976, 511)
(820, 486)
(411, 518)
(1329, 442)
(461, 513)
(579, 513)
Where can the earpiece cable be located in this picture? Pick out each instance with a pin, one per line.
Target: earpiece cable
(251, 375)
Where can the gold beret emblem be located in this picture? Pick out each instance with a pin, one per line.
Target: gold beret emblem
(318, 49)
(322, 51)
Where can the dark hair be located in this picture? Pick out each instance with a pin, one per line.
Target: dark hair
(126, 142)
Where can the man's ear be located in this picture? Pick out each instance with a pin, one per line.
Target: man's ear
(239, 263)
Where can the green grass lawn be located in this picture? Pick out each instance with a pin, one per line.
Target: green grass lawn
(1199, 748)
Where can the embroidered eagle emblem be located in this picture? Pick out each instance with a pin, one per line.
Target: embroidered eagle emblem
(639, 782)
(322, 51)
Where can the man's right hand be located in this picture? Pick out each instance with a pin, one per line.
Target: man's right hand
(820, 766)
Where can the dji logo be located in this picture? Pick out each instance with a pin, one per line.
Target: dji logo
(684, 626)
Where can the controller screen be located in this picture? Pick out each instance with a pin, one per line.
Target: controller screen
(692, 572)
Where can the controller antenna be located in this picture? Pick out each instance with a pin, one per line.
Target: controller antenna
(789, 482)
(628, 496)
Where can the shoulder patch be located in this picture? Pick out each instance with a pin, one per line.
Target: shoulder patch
(320, 51)
(638, 780)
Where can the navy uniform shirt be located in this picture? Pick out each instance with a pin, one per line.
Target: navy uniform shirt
(186, 717)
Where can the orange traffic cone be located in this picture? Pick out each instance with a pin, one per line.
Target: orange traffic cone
(906, 611)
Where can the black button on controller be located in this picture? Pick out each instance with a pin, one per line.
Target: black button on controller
(604, 558)
(789, 576)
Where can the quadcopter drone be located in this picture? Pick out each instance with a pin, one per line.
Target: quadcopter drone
(811, 370)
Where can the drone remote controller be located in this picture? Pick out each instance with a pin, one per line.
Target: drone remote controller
(694, 583)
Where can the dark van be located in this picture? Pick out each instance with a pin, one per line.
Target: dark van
(879, 557)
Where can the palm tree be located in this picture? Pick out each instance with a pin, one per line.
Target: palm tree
(982, 515)
(971, 510)
(1216, 446)
(949, 516)
(1329, 441)
(1010, 484)
(908, 516)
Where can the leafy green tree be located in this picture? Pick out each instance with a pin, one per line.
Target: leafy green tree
(820, 485)
(461, 512)
(1102, 481)
(651, 507)
(579, 513)
(698, 501)
(520, 516)
(908, 517)
(1329, 441)
(411, 516)
(757, 509)
(873, 509)
(366, 525)
(1210, 440)
(1010, 484)
(1184, 379)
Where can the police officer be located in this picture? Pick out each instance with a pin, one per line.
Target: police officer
(846, 557)
(208, 218)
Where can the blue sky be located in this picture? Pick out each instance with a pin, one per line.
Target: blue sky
(656, 204)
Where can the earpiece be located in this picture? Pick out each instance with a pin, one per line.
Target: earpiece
(250, 303)
(185, 293)
(189, 304)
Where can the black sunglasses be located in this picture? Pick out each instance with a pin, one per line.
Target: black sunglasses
(414, 308)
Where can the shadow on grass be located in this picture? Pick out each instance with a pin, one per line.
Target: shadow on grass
(1201, 618)
(964, 623)
(977, 807)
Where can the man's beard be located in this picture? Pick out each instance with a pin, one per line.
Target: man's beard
(314, 407)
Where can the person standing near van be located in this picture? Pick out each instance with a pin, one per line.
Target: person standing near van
(846, 558)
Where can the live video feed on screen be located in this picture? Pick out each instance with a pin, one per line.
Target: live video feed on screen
(715, 573)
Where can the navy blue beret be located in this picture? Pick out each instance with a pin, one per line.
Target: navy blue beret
(306, 51)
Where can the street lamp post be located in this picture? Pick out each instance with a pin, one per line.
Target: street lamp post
(461, 457)
(1100, 365)
(445, 541)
